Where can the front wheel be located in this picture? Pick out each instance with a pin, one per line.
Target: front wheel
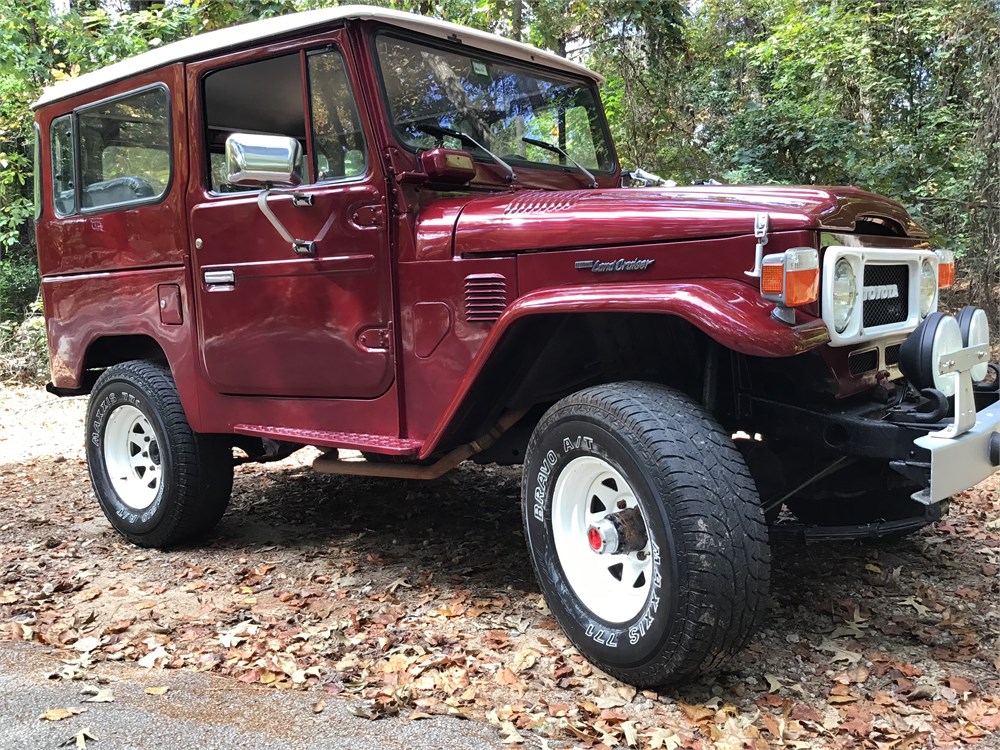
(159, 483)
(645, 531)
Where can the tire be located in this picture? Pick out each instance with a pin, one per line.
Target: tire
(702, 589)
(159, 483)
(862, 493)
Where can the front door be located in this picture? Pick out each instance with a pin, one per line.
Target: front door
(273, 322)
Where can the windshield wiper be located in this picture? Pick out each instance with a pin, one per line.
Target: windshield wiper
(562, 152)
(439, 131)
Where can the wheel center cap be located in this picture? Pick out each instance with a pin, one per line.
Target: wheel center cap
(618, 533)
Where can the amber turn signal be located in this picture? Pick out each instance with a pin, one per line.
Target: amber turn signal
(791, 278)
(946, 268)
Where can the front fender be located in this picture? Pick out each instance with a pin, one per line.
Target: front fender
(729, 311)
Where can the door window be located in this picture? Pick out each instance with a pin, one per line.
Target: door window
(266, 97)
(336, 125)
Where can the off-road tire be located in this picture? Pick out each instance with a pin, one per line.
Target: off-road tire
(703, 517)
(196, 476)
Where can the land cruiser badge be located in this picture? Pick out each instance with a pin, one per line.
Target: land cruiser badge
(613, 266)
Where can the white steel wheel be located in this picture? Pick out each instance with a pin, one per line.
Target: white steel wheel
(132, 457)
(588, 501)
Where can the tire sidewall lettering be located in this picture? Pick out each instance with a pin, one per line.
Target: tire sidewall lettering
(640, 637)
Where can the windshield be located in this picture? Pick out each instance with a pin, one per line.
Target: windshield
(430, 89)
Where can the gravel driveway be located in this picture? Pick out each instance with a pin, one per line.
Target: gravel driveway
(405, 600)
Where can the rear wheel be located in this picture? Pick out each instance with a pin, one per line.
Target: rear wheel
(159, 483)
(645, 532)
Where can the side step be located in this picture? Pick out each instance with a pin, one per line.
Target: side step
(392, 446)
(330, 464)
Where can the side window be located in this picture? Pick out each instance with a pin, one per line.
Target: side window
(336, 126)
(61, 143)
(262, 97)
(125, 150)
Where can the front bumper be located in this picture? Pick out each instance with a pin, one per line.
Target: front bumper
(941, 466)
(958, 463)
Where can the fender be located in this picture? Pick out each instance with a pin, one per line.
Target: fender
(81, 309)
(730, 312)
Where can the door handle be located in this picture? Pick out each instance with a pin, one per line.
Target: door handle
(220, 279)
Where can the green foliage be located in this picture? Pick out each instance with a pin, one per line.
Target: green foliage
(18, 287)
(897, 96)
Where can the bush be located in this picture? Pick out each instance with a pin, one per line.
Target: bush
(24, 351)
(18, 288)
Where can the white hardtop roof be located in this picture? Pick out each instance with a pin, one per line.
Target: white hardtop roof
(234, 37)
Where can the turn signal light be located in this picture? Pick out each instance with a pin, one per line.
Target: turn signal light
(946, 268)
(791, 278)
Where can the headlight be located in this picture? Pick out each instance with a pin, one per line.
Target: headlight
(845, 294)
(928, 287)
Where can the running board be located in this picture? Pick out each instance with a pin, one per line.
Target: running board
(389, 445)
(330, 464)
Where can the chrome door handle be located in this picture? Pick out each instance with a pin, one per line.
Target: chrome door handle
(220, 279)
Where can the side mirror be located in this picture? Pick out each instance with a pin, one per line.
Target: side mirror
(262, 160)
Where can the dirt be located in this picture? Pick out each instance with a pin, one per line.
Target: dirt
(418, 599)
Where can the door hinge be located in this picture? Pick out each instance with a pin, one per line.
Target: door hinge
(375, 339)
(369, 216)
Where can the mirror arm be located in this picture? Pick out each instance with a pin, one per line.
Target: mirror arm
(299, 247)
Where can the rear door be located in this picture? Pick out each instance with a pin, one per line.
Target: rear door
(272, 322)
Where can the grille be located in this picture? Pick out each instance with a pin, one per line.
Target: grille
(880, 312)
(892, 355)
(485, 297)
(860, 362)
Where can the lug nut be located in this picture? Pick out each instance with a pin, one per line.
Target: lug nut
(622, 505)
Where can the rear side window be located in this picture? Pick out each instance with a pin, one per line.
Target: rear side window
(37, 175)
(61, 142)
(125, 150)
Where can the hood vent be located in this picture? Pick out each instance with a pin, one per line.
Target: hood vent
(542, 201)
(485, 297)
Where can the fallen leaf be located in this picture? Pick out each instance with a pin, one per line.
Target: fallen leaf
(8, 597)
(838, 653)
(961, 686)
(161, 690)
(97, 695)
(913, 602)
(663, 738)
(86, 645)
(58, 714)
(631, 733)
(509, 734)
(773, 684)
(79, 740)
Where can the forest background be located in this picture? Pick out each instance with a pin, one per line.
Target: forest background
(901, 97)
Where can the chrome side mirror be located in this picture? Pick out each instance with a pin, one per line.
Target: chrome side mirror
(262, 160)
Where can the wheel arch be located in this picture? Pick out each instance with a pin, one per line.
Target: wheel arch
(552, 342)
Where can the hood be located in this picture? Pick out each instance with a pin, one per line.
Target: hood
(543, 220)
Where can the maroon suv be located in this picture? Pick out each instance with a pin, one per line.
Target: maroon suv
(362, 229)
